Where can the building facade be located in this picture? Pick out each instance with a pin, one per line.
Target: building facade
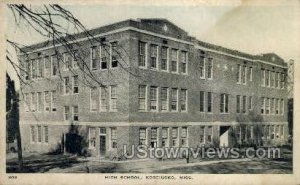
(147, 82)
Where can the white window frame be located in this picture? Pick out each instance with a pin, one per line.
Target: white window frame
(91, 110)
(157, 48)
(176, 98)
(110, 98)
(204, 68)
(167, 59)
(156, 102)
(168, 99)
(211, 70)
(250, 74)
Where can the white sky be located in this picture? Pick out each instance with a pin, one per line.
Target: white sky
(249, 28)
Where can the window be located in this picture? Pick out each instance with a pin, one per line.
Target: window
(282, 107)
(202, 67)
(92, 137)
(272, 106)
(153, 143)
(93, 99)
(142, 54)
(142, 136)
(174, 97)
(47, 66)
(39, 133)
(153, 98)
(272, 79)
(32, 133)
(46, 134)
(54, 65)
(113, 98)
(47, 100)
(209, 68)
(66, 113)
(41, 68)
(267, 105)
(104, 56)
(75, 59)
(244, 74)
(184, 136)
(174, 61)
(202, 131)
(184, 60)
(164, 99)
(34, 69)
(263, 77)
(244, 104)
(153, 56)
(113, 138)
(202, 101)
(238, 103)
(239, 73)
(28, 70)
(281, 131)
(39, 102)
(67, 61)
(164, 137)
(53, 100)
(142, 97)
(75, 113)
(114, 55)
(103, 98)
(250, 103)
(27, 102)
(276, 106)
(183, 100)
(66, 85)
(209, 101)
(262, 107)
(209, 134)
(164, 58)
(250, 74)
(282, 81)
(268, 78)
(33, 102)
(272, 131)
(94, 56)
(175, 136)
(224, 103)
(75, 85)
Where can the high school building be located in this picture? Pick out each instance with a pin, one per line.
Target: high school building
(148, 82)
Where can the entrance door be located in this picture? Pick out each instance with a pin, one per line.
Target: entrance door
(102, 145)
(224, 136)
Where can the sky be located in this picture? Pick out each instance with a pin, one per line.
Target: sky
(242, 25)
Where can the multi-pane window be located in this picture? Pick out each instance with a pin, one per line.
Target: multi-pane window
(34, 69)
(183, 100)
(224, 103)
(281, 133)
(46, 134)
(27, 70)
(142, 97)
(40, 68)
(114, 55)
(174, 136)
(164, 58)
(164, 99)
(54, 65)
(262, 105)
(184, 60)
(239, 73)
(153, 56)
(272, 79)
(75, 85)
(263, 77)
(75, 113)
(103, 98)
(267, 78)
(47, 100)
(250, 103)
(93, 99)
(113, 137)
(104, 56)
(244, 104)
(153, 98)
(244, 74)
(202, 67)
(174, 60)
(184, 136)
(202, 101)
(164, 136)
(39, 133)
(282, 107)
(267, 105)
(27, 102)
(94, 54)
(271, 106)
(33, 102)
(250, 74)
(209, 68)
(32, 133)
(92, 137)
(209, 134)
(238, 103)
(66, 113)
(75, 62)
(209, 101)
(276, 80)
(202, 131)
(113, 98)
(53, 100)
(47, 64)
(39, 102)
(142, 136)
(142, 54)
(67, 61)
(276, 106)
(282, 80)
(66, 85)
(153, 143)
(174, 98)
